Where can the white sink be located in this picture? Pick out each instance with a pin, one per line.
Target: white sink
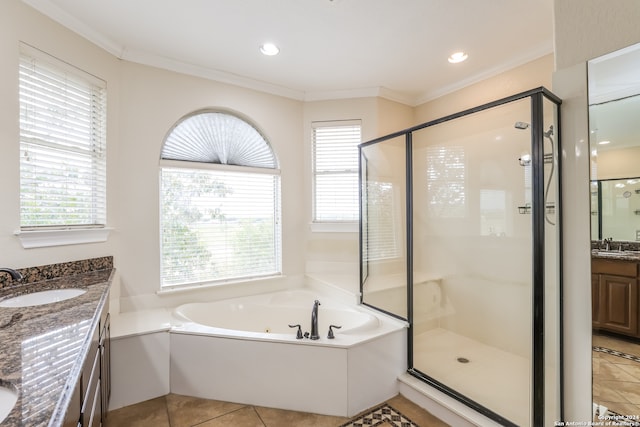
(8, 398)
(41, 298)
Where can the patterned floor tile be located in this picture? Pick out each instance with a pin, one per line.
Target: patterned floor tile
(383, 415)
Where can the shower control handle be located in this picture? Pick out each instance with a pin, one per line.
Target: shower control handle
(299, 333)
(330, 335)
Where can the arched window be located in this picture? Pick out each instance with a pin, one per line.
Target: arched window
(219, 202)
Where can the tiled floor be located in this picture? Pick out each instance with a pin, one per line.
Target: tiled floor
(174, 410)
(616, 381)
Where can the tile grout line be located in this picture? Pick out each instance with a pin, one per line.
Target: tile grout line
(258, 415)
(166, 408)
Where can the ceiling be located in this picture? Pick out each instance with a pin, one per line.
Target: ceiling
(329, 49)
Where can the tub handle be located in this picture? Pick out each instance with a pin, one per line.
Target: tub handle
(330, 335)
(299, 333)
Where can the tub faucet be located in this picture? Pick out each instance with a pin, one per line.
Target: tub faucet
(314, 321)
(14, 274)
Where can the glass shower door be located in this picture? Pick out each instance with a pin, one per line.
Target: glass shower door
(472, 276)
(472, 203)
(383, 226)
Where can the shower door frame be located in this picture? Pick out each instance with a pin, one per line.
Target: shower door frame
(537, 97)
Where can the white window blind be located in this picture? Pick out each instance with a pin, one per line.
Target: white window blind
(219, 202)
(380, 225)
(446, 181)
(62, 144)
(335, 170)
(218, 225)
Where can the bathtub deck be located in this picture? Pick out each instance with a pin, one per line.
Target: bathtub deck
(494, 378)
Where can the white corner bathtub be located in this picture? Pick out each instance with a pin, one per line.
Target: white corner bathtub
(242, 350)
(268, 316)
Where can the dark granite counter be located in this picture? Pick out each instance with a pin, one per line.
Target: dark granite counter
(43, 347)
(633, 256)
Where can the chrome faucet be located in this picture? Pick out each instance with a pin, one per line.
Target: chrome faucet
(314, 321)
(14, 274)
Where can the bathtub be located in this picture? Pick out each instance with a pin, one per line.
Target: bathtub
(242, 350)
(268, 316)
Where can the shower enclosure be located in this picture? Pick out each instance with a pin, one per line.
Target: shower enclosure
(460, 235)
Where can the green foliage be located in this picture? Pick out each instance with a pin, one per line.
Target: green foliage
(179, 217)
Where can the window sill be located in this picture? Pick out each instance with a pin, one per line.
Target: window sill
(335, 227)
(46, 238)
(174, 289)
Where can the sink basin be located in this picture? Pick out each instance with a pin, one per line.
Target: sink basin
(8, 398)
(41, 298)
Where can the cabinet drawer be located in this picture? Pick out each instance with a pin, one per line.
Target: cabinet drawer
(615, 267)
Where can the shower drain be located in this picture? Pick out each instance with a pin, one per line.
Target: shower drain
(462, 360)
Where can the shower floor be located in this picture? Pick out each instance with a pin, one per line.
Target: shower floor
(494, 378)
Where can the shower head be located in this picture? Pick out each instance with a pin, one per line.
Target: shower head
(521, 125)
(548, 133)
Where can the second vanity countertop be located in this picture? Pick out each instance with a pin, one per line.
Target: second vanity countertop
(633, 256)
(42, 353)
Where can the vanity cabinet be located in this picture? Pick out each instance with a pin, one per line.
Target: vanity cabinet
(90, 398)
(614, 290)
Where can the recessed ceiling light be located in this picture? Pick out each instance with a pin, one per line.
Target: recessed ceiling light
(269, 49)
(604, 142)
(457, 57)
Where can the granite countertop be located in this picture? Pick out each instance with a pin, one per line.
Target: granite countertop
(616, 255)
(42, 352)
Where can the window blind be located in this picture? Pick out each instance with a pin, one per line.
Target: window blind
(380, 224)
(335, 170)
(219, 225)
(62, 144)
(446, 185)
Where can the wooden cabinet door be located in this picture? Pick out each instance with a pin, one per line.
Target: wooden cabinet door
(618, 304)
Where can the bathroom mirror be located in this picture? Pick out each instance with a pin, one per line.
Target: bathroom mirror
(616, 209)
(614, 125)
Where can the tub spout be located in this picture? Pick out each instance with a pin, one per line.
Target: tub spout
(314, 321)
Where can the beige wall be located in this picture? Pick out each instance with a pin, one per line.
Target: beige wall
(153, 100)
(143, 104)
(19, 22)
(586, 29)
(621, 163)
(527, 76)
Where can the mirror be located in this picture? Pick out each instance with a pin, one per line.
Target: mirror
(614, 125)
(615, 209)
(614, 121)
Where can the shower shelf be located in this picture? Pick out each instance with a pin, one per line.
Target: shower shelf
(526, 209)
